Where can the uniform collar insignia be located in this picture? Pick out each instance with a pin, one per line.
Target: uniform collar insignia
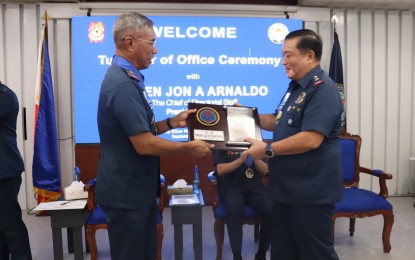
(132, 75)
(317, 81)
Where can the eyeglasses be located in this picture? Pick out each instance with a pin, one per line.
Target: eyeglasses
(153, 43)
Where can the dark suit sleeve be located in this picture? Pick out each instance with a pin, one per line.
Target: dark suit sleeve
(220, 157)
(6, 102)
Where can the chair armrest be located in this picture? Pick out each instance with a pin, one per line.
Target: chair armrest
(90, 188)
(214, 183)
(383, 176)
(162, 197)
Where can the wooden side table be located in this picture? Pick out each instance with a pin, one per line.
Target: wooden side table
(187, 214)
(73, 220)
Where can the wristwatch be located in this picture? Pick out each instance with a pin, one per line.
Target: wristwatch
(268, 151)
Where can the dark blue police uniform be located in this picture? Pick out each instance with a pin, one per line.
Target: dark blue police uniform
(305, 186)
(237, 189)
(14, 238)
(127, 182)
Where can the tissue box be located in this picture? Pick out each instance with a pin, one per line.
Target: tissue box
(75, 191)
(179, 191)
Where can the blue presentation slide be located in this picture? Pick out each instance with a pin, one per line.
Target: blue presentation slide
(212, 60)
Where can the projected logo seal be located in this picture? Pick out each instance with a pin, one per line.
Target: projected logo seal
(96, 32)
(207, 116)
(277, 33)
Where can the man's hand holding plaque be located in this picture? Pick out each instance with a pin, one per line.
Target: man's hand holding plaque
(224, 126)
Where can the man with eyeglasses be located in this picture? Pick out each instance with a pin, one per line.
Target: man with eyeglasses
(153, 42)
(128, 170)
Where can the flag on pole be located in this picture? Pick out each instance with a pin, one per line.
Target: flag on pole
(45, 168)
(336, 74)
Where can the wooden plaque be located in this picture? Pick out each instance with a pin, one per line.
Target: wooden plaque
(224, 126)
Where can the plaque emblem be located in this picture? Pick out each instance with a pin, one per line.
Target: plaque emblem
(207, 116)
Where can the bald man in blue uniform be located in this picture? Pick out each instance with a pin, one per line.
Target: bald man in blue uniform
(304, 156)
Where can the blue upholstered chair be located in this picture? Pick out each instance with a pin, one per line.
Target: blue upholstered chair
(251, 217)
(357, 202)
(98, 219)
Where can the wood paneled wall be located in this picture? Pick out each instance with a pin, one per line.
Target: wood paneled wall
(172, 167)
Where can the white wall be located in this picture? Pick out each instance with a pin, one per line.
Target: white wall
(378, 58)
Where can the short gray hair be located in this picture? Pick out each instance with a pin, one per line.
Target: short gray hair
(129, 22)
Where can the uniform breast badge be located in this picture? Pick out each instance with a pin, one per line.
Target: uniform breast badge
(278, 115)
(300, 98)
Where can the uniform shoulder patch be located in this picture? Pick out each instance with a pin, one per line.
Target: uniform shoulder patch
(132, 75)
(317, 81)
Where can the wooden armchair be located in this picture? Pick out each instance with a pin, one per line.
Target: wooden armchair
(98, 219)
(251, 217)
(357, 202)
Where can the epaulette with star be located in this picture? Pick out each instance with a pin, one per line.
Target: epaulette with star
(317, 81)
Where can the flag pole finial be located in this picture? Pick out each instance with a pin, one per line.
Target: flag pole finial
(45, 16)
(334, 20)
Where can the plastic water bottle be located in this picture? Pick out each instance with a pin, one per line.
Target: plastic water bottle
(196, 182)
(76, 174)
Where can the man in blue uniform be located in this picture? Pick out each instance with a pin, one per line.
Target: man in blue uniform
(128, 170)
(304, 157)
(239, 184)
(14, 239)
